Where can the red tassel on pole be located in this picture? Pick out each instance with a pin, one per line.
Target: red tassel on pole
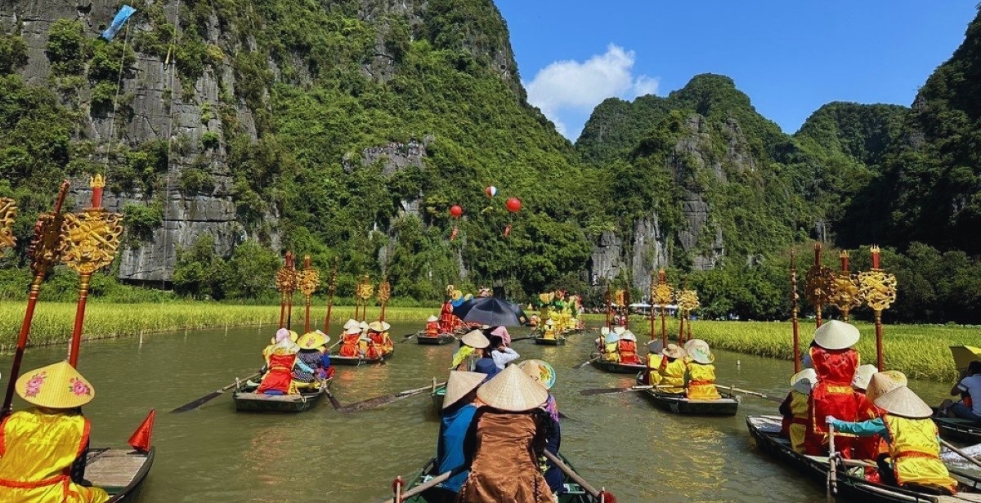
(140, 440)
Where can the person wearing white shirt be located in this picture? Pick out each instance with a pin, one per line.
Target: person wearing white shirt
(971, 384)
(502, 354)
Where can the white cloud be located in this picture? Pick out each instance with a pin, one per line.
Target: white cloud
(564, 90)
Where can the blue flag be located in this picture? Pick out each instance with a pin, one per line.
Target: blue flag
(117, 22)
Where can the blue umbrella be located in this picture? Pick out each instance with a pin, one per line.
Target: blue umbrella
(491, 311)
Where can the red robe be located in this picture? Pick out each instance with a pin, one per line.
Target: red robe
(832, 395)
(279, 375)
(628, 352)
(866, 447)
(447, 321)
(432, 329)
(349, 346)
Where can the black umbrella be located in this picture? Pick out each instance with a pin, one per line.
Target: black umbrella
(491, 311)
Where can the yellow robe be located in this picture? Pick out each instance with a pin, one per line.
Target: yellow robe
(670, 375)
(701, 382)
(37, 449)
(798, 425)
(915, 452)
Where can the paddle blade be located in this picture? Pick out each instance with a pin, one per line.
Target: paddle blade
(610, 391)
(199, 402)
(381, 400)
(333, 401)
(583, 364)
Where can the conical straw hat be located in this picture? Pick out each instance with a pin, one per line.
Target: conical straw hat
(701, 354)
(619, 330)
(836, 334)
(312, 340)
(432, 318)
(629, 336)
(353, 329)
(862, 376)
(655, 346)
(350, 323)
(695, 342)
(294, 336)
(673, 351)
(803, 381)
(459, 384)
(540, 371)
(376, 326)
(475, 339)
(884, 382)
(56, 386)
(512, 390)
(903, 402)
(604, 330)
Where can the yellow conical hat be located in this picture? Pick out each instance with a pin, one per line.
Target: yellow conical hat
(56, 386)
(312, 340)
(512, 390)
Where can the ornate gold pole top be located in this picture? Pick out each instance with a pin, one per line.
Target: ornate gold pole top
(90, 238)
(309, 278)
(8, 213)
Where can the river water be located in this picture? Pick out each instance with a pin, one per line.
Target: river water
(617, 441)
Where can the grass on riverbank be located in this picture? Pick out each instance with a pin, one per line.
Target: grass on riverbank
(919, 351)
(53, 321)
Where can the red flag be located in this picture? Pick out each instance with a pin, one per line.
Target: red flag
(140, 440)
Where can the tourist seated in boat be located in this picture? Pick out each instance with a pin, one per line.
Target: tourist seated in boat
(549, 329)
(350, 342)
(701, 373)
(544, 374)
(278, 378)
(456, 416)
(912, 437)
(667, 370)
(610, 351)
(308, 366)
(653, 360)
(970, 390)
(486, 364)
(501, 354)
(380, 344)
(281, 335)
(627, 348)
(471, 345)
(865, 447)
(503, 333)
(794, 408)
(835, 360)
(432, 326)
(509, 430)
(43, 449)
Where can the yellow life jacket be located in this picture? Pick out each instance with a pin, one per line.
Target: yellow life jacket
(673, 375)
(798, 425)
(915, 452)
(701, 382)
(653, 363)
(37, 450)
(611, 353)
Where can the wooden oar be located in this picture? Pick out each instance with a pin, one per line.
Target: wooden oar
(382, 400)
(422, 487)
(960, 452)
(572, 474)
(610, 391)
(211, 396)
(405, 338)
(587, 362)
(516, 339)
(750, 392)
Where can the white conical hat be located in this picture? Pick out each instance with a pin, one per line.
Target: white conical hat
(629, 336)
(884, 382)
(674, 351)
(803, 381)
(512, 390)
(836, 334)
(903, 402)
(475, 339)
(353, 329)
(604, 330)
(350, 323)
(376, 326)
(619, 330)
(432, 318)
(701, 354)
(690, 343)
(459, 384)
(862, 376)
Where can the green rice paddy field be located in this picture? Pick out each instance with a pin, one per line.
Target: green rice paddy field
(920, 351)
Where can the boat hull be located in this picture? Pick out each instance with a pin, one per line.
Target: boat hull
(958, 430)
(616, 367)
(121, 472)
(438, 395)
(541, 341)
(246, 401)
(351, 360)
(435, 341)
(679, 404)
(765, 433)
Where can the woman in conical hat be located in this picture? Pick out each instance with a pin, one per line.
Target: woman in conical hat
(432, 326)
(835, 361)
(627, 348)
(913, 438)
(794, 408)
(508, 431)
(43, 449)
(865, 447)
(671, 370)
(309, 361)
(350, 347)
(701, 373)
(459, 408)
(544, 374)
(471, 349)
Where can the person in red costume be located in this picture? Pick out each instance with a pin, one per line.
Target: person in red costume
(447, 321)
(379, 343)
(432, 327)
(279, 375)
(350, 345)
(835, 361)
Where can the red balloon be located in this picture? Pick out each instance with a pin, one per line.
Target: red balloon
(456, 211)
(513, 204)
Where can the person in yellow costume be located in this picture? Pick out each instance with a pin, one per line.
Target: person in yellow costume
(701, 373)
(912, 436)
(612, 341)
(794, 408)
(667, 370)
(43, 449)
(549, 330)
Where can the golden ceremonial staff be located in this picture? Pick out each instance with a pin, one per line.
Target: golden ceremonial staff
(286, 284)
(309, 280)
(363, 292)
(8, 212)
(847, 295)
(330, 295)
(384, 293)
(44, 252)
(878, 289)
(820, 285)
(794, 298)
(89, 241)
(662, 295)
(687, 302)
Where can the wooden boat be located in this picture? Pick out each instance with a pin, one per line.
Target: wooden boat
(958, 430)
(558, 341)
(355, 360)
(248, 401)
(439, 340)
(438, 395)
(616, 367)
(574, 493)
(765, 431)
(679, 404)
(121, 472)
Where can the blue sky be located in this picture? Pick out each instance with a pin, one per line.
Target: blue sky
(789, 56)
